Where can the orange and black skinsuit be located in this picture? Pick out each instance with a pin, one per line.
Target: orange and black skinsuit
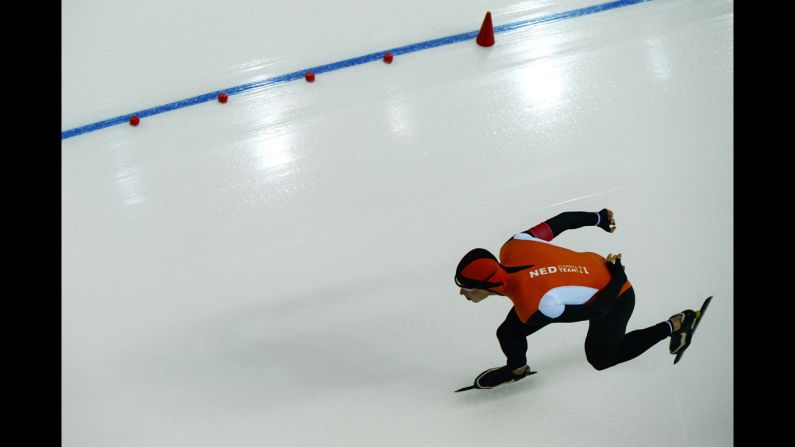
(549, 284)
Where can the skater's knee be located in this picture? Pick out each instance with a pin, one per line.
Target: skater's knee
(599, 360)
(599, 365)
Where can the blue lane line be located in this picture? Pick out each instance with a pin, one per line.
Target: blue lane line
(344, 64)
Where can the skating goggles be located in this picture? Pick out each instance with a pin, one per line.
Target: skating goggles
(465, 289)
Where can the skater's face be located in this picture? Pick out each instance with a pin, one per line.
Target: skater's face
(475, 295)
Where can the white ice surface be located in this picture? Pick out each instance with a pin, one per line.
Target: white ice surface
(278, 270)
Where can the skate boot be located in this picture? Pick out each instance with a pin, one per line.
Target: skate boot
(497, 376)
(688, 320)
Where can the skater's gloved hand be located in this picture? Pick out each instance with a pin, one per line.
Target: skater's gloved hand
(606, 221)
(615, 267)
(609, 293)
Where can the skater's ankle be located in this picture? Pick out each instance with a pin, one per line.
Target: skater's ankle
(521, 370)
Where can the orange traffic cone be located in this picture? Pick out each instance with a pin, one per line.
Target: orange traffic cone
(486, 34)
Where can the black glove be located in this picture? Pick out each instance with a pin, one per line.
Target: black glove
(617, 271)
(604, 221)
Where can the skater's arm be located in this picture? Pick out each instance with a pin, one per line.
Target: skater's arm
(603, 300)
(570, 220)
(607, 296)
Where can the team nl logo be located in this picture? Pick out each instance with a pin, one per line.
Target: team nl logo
(560, 268)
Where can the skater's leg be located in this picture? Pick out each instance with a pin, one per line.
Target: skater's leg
(512, 335)
(607, 344)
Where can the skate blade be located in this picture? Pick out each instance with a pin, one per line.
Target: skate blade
(475, 387)
(699, 314)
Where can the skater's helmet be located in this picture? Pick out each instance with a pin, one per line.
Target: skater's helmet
(479, 269)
